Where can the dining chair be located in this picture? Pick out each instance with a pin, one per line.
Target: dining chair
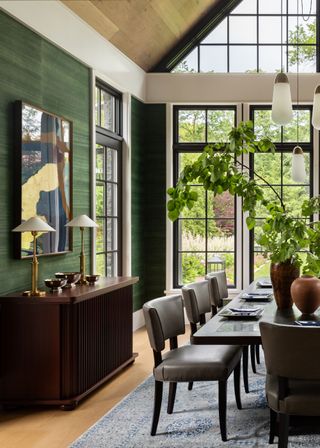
(293, 374)
(197, 298)
(164, 319)
(219, 291)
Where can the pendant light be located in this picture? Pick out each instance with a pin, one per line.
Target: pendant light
(281, 99)
(298, 166)
(316, 109)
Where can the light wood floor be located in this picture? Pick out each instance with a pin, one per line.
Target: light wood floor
(53, 428)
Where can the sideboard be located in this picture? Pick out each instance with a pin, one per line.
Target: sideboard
(56, 349)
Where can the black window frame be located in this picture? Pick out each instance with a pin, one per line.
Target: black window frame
(282, 148)
(184, 147)
(193, 39)
(112, 140)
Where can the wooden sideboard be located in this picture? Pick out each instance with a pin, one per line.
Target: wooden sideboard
(56, 349)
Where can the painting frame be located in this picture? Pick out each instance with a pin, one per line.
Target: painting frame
(43, 178)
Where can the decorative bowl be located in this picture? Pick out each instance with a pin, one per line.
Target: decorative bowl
(92, 278)
(55, 283)
(70, 277)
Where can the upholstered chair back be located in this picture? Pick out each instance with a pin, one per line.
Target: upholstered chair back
(164, 319)
(291, 351)
(196, 298)
(218, 287)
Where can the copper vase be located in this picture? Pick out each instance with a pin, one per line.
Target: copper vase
(282, 276)
(305, 292)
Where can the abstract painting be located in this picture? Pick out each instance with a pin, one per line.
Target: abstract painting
(45, 177)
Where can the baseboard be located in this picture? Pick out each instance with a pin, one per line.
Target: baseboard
(138, 320)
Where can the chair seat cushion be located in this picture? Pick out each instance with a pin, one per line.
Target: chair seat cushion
(303, 397)
(198, 363)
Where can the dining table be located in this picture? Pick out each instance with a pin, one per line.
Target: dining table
(245, 330)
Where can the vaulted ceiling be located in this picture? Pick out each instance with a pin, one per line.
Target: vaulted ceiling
(144, 30)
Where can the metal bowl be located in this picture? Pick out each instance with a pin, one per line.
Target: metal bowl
(55, 283)
(71, 277)
(92, 278)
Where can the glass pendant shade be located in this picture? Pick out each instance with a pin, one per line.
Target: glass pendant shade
(281, 100)
(316, 109)
(298, 165)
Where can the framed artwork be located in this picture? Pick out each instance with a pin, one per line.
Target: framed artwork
(43, 181)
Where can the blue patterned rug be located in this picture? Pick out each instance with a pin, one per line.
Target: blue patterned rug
(194, 422)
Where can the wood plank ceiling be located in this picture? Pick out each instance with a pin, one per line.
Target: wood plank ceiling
(144, 30)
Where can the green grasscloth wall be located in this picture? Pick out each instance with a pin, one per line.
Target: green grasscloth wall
(35, 71)
(148, 190)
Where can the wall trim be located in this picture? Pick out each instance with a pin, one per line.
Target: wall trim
(137, 320)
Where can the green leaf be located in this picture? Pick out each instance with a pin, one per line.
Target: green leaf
(171, 205)
(250, 222)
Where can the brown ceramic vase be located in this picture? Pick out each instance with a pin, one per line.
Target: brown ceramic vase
(305, 292)
(282, 276)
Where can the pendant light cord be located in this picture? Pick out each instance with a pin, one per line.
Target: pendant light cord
(281, 36)
(298, 71)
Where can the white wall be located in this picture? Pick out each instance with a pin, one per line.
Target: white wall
(222, 88)
(54, 21)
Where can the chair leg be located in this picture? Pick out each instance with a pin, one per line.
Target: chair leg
(172, 396)
(273, 423)
(245, 368)
(236, 377)
(223, 409)
(157, 406)
(258, 353)
(190, 385)
(253, 357)
(283, 430)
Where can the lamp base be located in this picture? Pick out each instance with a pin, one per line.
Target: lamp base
(34, 293)
(82, 282)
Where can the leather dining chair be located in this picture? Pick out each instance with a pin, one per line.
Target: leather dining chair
(197, 300)
(164, 319)
(219, 291)
(293, 374)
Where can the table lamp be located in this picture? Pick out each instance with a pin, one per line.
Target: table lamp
(82, 221)
(34, 225)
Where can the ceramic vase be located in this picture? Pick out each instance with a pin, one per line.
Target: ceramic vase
(282, 276)
(305, 292)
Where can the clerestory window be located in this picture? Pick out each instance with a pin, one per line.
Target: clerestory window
(248, 40)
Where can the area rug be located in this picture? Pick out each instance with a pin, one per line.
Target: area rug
(194, 422)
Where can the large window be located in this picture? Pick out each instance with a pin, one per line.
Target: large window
(249, 40)
(206, 233)
(276, 170)
(108, 180)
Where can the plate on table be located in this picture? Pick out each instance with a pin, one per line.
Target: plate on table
(264, 284)
(257, 297)
(241, 313)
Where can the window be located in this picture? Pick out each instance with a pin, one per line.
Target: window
(248, 39)
(276, 170)
(208, 231)
(108, 180)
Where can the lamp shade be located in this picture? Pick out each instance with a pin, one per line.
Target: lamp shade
(316, 109)
(34, 224)
(298, 165)
(281, 100)
(81, 221)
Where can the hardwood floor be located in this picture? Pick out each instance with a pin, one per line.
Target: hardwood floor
(52, 428)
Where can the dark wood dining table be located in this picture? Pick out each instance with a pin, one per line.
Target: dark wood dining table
(245, 331)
